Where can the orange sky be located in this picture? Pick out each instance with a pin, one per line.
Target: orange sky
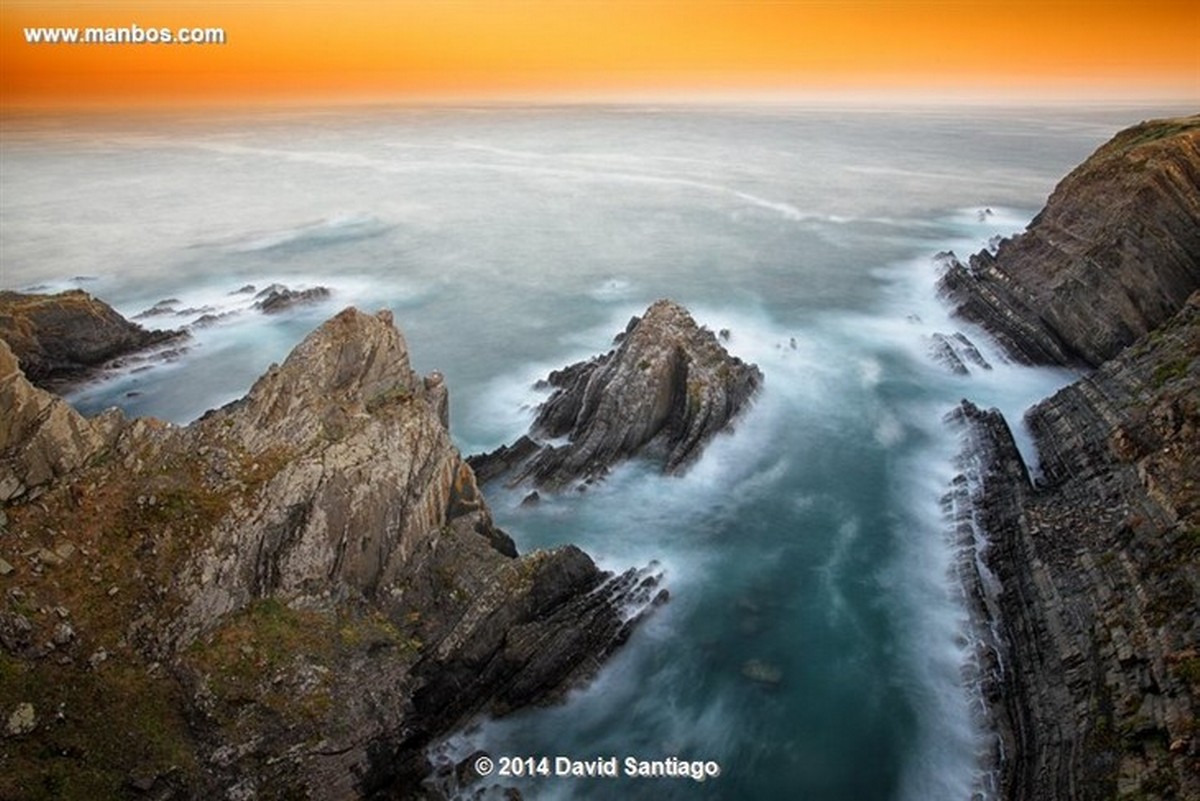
(300, 51)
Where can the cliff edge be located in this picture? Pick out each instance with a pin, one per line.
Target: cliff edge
(1115, 253)
(62, 339)
(290, 597)
(1087, 581)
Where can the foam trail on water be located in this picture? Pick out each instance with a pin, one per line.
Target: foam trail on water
(230, 343)
(951, 758)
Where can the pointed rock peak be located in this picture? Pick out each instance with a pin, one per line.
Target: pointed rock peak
(668, 388)
(353, 364)
(351, 356)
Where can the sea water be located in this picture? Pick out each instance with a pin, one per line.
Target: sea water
(816, 644)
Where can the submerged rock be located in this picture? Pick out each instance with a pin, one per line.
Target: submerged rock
(61, 339)
(762, 672)
(662, 394)
(314, 563)
(1115, 253)
(278, 298)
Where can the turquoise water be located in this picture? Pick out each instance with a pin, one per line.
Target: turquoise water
(511, 241)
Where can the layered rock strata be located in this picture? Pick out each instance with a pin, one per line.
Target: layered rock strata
(1098, 568)
(1115, 252)
(661, 394)
(288, 598)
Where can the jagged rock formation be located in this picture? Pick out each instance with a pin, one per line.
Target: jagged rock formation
(288, 598)
(1098, 565)
(662, 394)
(60, 339)
(278, 298)
(41, 436)
(1114, 254)
(955, 352)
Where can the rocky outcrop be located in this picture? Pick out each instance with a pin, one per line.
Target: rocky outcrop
(41, 437)
(1113, 255)
(61, 339)
(287, 598)
(1096, 599)
(662, 394)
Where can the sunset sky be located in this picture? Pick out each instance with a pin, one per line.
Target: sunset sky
(303, 51)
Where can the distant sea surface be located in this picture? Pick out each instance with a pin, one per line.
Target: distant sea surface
(816, 644)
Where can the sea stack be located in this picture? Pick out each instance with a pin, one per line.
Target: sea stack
(666, 389)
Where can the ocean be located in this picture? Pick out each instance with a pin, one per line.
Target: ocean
(816, 645)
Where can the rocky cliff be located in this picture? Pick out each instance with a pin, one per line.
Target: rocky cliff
(662, 394)
(1098, 566)
(288, 598)
(1113, 255)
(1087, 586)
(63, 338)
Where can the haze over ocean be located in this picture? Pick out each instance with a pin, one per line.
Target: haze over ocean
(511, 241)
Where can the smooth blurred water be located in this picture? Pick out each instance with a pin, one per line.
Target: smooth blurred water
(511, 241)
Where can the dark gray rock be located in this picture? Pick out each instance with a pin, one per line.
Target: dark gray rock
(1094, 682)
(1115, 253)
(277, 298)
(65, 338)
(662, 394)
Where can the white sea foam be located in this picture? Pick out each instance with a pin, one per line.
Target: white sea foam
(809, 538)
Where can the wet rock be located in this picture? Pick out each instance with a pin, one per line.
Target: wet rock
(163, 307)
(956, 352)
(277, 298)
(1090, 582)
(662, 394)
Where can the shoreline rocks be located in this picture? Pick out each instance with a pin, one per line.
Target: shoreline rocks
(1115, 253)
(661, 394)
(1083, 580)
(63, 339)
(292, 595)
(1095, 686)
